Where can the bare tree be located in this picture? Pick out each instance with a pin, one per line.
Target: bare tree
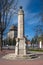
(7, 9)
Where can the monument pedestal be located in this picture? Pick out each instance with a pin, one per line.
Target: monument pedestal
(20, 47)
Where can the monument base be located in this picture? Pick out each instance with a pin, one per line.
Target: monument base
(20, 48)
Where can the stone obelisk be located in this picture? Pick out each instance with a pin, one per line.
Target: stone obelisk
(21, 45)
(20, 23)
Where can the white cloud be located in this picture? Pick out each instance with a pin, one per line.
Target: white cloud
(31, 18)
(34, 21)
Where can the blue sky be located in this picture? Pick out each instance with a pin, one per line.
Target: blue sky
(31, 19)
(31, 9)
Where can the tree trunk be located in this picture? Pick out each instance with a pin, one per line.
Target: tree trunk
(1, 42)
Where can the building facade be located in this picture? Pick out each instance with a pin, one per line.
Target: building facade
(12, 32)
(12, 35)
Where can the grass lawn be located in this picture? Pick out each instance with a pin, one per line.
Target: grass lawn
(36, 50)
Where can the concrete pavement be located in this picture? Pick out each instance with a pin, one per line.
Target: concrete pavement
(38, 61)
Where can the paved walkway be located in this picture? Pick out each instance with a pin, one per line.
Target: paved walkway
(21, 62)
(38, 61)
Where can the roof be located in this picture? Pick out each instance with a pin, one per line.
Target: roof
(13, 27)
(28, 42)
